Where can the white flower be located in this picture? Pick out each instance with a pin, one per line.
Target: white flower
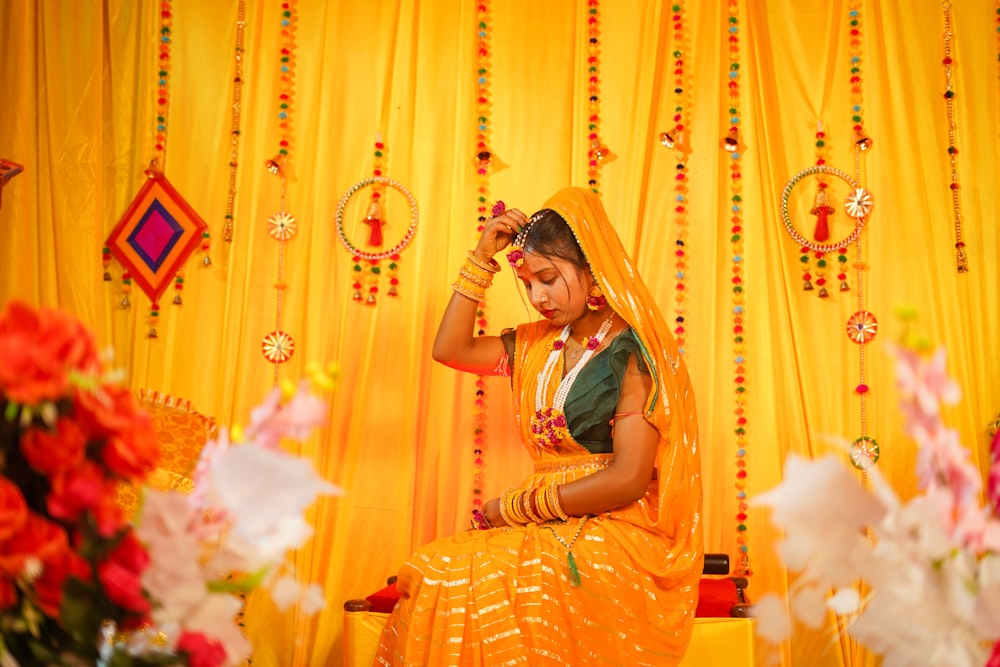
(264, 493)
(917, 582)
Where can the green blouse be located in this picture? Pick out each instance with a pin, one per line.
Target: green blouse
(592, 399)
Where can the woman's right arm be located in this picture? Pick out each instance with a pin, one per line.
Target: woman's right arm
(456, 344)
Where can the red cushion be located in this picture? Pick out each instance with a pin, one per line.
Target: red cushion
(716, 598)
(384, 600)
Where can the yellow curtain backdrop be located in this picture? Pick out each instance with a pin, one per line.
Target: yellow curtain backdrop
(77, 109)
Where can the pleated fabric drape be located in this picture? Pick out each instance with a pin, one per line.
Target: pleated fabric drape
(77, 109)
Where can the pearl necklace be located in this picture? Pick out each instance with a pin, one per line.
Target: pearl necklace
(548, 425)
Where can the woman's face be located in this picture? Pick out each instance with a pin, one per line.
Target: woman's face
(556, 288)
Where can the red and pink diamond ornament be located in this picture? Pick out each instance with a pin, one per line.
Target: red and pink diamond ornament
(156, 235)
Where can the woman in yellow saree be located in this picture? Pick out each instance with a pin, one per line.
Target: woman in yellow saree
(596, 557)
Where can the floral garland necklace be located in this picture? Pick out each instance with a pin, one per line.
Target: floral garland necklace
(548, 425)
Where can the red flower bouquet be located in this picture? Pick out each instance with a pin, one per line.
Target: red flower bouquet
(79, 584)
(69, 561)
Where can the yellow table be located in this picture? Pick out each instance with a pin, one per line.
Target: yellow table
(715, 642)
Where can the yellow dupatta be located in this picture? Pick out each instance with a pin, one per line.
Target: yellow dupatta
(676, 510)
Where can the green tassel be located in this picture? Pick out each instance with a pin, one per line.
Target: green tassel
(574, 572)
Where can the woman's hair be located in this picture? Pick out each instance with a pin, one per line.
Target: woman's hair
(550, 236)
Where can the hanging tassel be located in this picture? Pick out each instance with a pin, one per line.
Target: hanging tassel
(822, 209)
(375, 219)
(574, 572)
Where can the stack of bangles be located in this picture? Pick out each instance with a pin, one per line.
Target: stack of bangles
(474, 277)
(519, 507)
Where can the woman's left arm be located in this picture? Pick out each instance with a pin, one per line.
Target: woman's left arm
(635, 442)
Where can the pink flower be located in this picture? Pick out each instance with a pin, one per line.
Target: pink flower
(295, 419)
(174, 577)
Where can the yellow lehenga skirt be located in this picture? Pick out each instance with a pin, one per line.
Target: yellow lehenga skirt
(505, 596)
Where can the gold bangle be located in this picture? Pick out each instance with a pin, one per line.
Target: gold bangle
(527, 501)
(477, 270)
(515, 506)
(543, 505)
(468, 290)
(468, 275)
(492, 267)
(554, 501)
(508, 502)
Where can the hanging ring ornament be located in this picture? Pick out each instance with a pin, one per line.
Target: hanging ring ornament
(858, 206)
(410, 231)
(282, 226)
(864, 452)
(862, 327)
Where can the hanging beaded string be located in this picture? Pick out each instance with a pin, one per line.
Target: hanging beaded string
(597, 152)
(961, 259)
(484, 162)
(278, 346)
(162, 106)
(234, 135)
(676, 140)
(861, 327)
(731, 144)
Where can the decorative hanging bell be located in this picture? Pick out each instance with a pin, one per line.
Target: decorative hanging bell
(125, 302)
(152, 333)
(370, 300)
(107, 276)
(276, 165)
(207, 261)
(357, 295)
(178, 301)
(807, 286)
(392, 291)
(731, 143)
(844, 287)
(862, 141)
(823, 293)
(667, 139)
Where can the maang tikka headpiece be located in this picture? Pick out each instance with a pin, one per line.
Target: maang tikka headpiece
(515, 256)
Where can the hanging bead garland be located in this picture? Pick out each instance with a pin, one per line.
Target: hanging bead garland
(234, 134)
(731, 144)
(862, 142)
(278, 346)
(961, 259)
(862, 325)
(371, 259)
(597, 152)
(484, 165)
(162, 106)
(676, 140)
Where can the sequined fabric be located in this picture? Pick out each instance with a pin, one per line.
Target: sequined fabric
(503, 596)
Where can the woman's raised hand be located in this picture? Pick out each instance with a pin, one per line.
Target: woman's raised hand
(498, 233)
